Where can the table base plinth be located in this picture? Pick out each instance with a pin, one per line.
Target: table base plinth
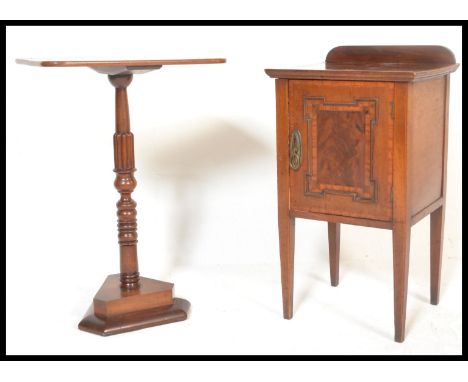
(116, 310)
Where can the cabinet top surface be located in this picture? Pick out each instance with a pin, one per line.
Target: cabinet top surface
(376, 63)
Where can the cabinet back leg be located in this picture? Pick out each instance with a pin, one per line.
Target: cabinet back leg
(286, 227)
(437, 233)
(334, 252)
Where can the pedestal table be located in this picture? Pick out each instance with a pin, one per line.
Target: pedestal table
(127, 301)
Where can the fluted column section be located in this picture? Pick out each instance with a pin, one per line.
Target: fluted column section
(125, 183)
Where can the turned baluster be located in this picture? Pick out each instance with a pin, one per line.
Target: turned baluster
(125, 183)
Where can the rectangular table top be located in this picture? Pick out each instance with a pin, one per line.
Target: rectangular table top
(119, 63)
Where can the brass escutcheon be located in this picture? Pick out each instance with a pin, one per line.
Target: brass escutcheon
(295, 150)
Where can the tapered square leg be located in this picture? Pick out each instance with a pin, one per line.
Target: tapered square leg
(334, 252)
(401, 247)
(286, 239)
(286, 223)
(437, 233)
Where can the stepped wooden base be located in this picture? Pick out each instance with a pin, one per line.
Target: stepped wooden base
(117, 310)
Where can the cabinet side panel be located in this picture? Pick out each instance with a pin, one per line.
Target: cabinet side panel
(426, 120)
(282, 144)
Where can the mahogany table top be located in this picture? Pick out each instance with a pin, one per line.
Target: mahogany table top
(119, 66)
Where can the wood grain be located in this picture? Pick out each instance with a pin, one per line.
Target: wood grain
(334, 252)
(177, 311)
(112, 300)
(388, 54)
(125, 301)
(438, 216)
(377, 63)
(344, 145)
(127, 63)
(307, 214)
(286, 223)
(125, 183)
(437, 240)
(341, 149)
(426, 117)
(115, 67)
(346, 167)
(401, 209)
(373, 123)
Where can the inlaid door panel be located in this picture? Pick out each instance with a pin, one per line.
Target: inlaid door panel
(341, 135)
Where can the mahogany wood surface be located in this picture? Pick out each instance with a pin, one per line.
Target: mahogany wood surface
(127, 301)
(113, 299)
(108, 63)
(401, 209)
(426, 119)
(286, 222)
(124, 162)
(362, 140)
(389, 54)
(437, 233)
(334, 252)
(341, 219)
(340, 164)
(113, 67)
(177, 311)
(438, 215)
(392, 73)
(426, 211)
(376, 63)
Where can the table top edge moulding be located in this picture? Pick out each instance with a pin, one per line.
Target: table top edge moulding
(119, 67)
(106, 63)
(396, 63)
(127, 301)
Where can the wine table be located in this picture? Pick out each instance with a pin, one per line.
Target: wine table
(127, 301)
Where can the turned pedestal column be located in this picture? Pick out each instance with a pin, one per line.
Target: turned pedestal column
(127, 301)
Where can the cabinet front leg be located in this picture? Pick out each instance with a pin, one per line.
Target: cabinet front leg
(286, 226)
(437, 233)
(334, 252)
(401, 247)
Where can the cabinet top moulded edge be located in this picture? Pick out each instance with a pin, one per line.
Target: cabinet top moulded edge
(400, 63)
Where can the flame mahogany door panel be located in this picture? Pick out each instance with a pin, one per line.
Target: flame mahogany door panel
(345, 133)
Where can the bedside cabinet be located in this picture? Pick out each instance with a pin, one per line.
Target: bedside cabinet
(362, 140)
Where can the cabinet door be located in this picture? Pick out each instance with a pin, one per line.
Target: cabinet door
(340, 147)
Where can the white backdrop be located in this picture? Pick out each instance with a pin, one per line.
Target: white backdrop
(206, 194)
(238, 10)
